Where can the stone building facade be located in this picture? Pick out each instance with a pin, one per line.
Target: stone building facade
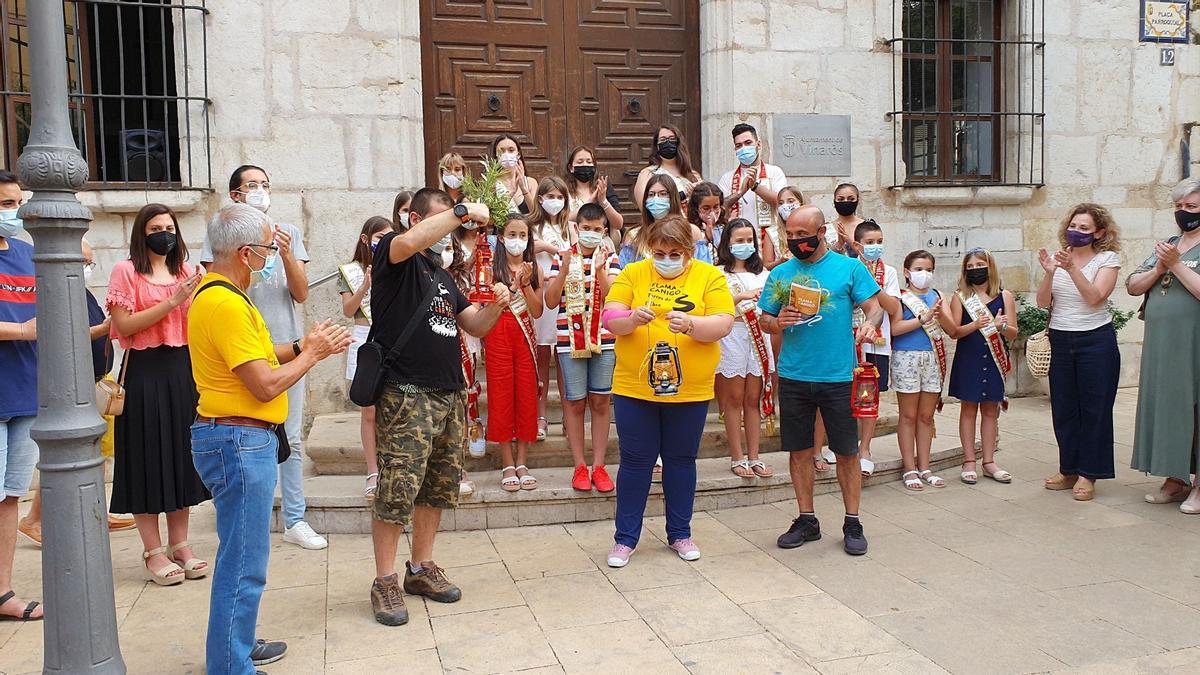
(327, 96)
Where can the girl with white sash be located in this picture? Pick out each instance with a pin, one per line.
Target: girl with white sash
(983, 316)
(354, 285)
(919, 367)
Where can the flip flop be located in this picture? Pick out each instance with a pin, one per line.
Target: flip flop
(761, 469)
(744, 465)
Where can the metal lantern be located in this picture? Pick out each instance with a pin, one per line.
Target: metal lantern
(665, 372)
(482, 292)
(864, 390)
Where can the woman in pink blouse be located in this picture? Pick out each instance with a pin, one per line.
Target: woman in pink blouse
(148, 299)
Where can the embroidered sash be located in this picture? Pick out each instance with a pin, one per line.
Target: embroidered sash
(473, 387)
(749, 313)
(520, 309)
(995, 342)
(932, 328)
(583, 313)
(355, 276)
(763, 216)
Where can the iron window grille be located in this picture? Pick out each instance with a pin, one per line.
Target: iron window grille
(138, 90)
(968, 92)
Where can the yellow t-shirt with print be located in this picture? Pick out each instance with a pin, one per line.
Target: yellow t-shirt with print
(701, 291)
(224, 332)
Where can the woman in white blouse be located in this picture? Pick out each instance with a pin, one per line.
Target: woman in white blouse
(1085, 364)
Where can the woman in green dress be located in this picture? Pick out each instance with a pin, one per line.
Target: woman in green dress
(1166, 442)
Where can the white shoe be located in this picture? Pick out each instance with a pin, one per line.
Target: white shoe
(302, 535)
(1192, 505)
(828, 456)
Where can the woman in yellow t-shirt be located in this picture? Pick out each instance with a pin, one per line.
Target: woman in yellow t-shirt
(669, 313)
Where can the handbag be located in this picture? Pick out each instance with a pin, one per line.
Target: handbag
(374, 362)
(283, 450)
(110, 393)
(1037, 349)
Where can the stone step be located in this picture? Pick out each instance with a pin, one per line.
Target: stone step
(335, 448)
(336, 503)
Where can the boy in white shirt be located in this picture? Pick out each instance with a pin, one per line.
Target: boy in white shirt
(752, 189)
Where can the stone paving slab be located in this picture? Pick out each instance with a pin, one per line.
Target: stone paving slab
(985, 579)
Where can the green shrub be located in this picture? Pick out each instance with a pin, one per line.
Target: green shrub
(1033, 319)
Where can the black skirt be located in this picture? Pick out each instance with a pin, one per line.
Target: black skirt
(152, 459)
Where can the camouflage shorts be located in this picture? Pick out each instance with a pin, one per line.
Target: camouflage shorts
(418, 440)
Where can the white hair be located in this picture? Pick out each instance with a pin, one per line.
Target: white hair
(1184, 188)
(233, 227)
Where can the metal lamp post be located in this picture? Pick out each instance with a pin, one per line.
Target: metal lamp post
(77, 585)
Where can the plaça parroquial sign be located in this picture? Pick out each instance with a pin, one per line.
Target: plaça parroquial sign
(811, 145)
(1164, 21)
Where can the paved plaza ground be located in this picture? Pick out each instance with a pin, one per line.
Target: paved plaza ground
(991, 578)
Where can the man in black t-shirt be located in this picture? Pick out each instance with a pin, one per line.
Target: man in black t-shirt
(420, 416)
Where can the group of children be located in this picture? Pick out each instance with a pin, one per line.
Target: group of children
(559, 251)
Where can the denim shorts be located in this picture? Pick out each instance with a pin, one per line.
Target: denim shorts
(593, 375)
(18, 456)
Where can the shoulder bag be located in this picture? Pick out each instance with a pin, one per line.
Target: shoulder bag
(374, 361)
(110, 393)
(283, 449)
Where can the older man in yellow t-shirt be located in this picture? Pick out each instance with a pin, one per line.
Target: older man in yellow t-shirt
(243, 380)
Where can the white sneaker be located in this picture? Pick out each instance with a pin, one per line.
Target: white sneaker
(302, 535)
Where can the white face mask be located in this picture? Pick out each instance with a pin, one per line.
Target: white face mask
(589, 239)
(920, 278)
(451, 180)
(259, 199)
(88, 272)
(508, 159)
(515, 246)
(404, 219)
(553, 206)
(786, 209)
(441, 245)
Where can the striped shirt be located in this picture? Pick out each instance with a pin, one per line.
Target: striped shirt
(607, 340)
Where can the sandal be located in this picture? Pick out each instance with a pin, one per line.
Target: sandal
(193, 568)
(1061, 481)
(543, 428)
(867, 466)
(509, 483)
(26, 614)
(169, 575)
(761, 469)
(741, 468)
(372, 487)
(820, 464)
(969, 477)
(1084, 493)
(999, 475)
(934, 481)
(913, 483)
(527, 482)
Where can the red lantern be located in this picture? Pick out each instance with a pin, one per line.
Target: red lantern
(482, 292)
(864, 389)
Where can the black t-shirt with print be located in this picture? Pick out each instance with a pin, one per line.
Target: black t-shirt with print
(430, 358)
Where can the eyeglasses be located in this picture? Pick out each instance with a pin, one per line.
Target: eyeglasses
(89, 265)
(274, 248)
(252, 185)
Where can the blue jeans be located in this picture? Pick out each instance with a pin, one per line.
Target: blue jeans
(1084, 373)
(18, 455)
(237, 465)
(291, 472)
(593, 375)
(646, 430)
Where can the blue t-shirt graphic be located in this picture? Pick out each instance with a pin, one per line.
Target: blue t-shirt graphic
(822, 348)
(18, 304)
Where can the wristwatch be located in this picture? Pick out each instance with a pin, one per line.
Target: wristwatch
(461, 212)
(296, 347)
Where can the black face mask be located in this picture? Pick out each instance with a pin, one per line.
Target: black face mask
(668, 149)
(584, 174)
(1186, 220)
(162, 242)
(845, 208)
(804, 247)
(978, 276)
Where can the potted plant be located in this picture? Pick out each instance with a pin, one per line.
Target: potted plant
(1032, 319)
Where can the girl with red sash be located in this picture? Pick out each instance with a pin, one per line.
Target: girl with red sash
(746, 358)
(983, 316)
(512, 380)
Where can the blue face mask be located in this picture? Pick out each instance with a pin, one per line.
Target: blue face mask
(742, 251)
(267, 271)
(747, 154)
(658, 206)
(873, 252)
(10, 224)
(668, 268)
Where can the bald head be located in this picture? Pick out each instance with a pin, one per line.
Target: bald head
(87, 251)
(804, 221)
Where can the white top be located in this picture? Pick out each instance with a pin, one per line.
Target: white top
(749, 282)
(891, 286)
(551, 235)
(1068, 310)
(750, 203)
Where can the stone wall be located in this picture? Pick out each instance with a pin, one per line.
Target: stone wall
(1113, 124)
(327, 97)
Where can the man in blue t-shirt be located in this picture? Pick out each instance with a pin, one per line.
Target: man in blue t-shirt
(816, 365)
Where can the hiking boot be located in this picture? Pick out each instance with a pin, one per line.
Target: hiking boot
(388, 602)
(601, 479)
(804, 528)
(580, 481)
(856, 542)
(267, 652)
(431, 582)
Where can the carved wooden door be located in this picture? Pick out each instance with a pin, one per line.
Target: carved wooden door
(559, 73)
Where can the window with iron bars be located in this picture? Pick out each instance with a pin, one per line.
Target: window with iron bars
(138, 90)
(971, 100)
